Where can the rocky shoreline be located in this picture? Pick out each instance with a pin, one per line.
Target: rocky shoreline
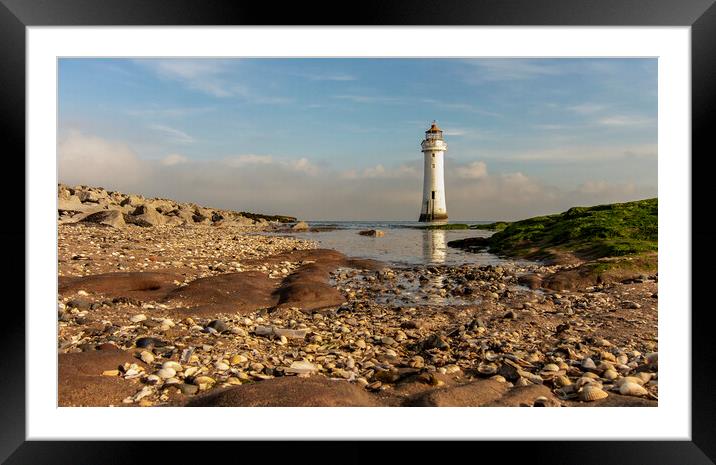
(213, 313)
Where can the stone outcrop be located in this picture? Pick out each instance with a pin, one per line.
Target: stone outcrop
(98, 205)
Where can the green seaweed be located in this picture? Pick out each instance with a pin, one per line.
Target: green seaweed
(612, 230)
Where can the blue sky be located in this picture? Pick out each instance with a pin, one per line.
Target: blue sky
(339, 138)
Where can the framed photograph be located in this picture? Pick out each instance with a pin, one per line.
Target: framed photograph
(275, 225)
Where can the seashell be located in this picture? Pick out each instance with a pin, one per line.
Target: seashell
(652, 358)
(191, 371)
(221, 366)
(523, 382)
(565, 393)
(487, 368)
(629, 379)
(592, 392)
(138, 318)
(173, 365)
(561, 381)
(604, 366)
(551, 367)
(166, 373)
(607, 356)
(499, 378)
(623, 368)
(147, 357)
(610, 374)
(622, 359)
(590, 375)
(588, 364)
(632, 389)
(645, 377)
(491, 356)
(584, 380)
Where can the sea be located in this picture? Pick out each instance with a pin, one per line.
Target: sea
(402, 244)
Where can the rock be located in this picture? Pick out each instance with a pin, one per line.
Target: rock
(138, 318)
(291, 333)
(469, 395)
(188, 389)
(80, 303)
(300, 226)
(372, 233)
(314, 391)
(302, 367)
(630, 305)
(145, 216)
(263, 330)
(88, 196)
(149, 342)
(113, 218)
(218, 325)
(71, 204)
(435, 341)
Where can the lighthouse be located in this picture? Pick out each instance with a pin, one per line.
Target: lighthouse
(433, 147)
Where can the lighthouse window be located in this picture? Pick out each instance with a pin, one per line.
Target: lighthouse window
(433, 155)
(433, 195)
(433, 165)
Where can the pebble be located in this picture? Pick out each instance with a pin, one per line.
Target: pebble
(302, 367)
(146, 357)
(218, 326)
(166, 373)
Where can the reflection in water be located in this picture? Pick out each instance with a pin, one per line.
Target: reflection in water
(401, 245)
(434, 246)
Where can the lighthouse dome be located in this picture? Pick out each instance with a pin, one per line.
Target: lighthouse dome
(434, 128)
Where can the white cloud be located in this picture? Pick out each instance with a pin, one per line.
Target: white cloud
(204, 75)
(576, 154)
(500, 69)
(217, 78)
(474, 170)
(299, 187)
(302, 164)
(167, 112)
(174, 135)
(586, 108)
(174, 159)
(248, 159)
(625, 121)
(380, 171)
(85, 159)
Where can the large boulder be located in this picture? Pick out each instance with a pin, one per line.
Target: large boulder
(289, 391)
(372, 233)
(70, 203)
(145, 216)
(133, 201)
(113, 218)
(300, 226)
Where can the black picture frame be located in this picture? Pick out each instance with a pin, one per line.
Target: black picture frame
(700, 15)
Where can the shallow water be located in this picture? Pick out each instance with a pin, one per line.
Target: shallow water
(401, 244)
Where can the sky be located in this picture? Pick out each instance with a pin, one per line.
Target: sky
(339, 139)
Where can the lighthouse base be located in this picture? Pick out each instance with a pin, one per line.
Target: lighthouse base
(428, 217)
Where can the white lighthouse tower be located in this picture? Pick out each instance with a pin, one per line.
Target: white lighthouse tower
(433, 148)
